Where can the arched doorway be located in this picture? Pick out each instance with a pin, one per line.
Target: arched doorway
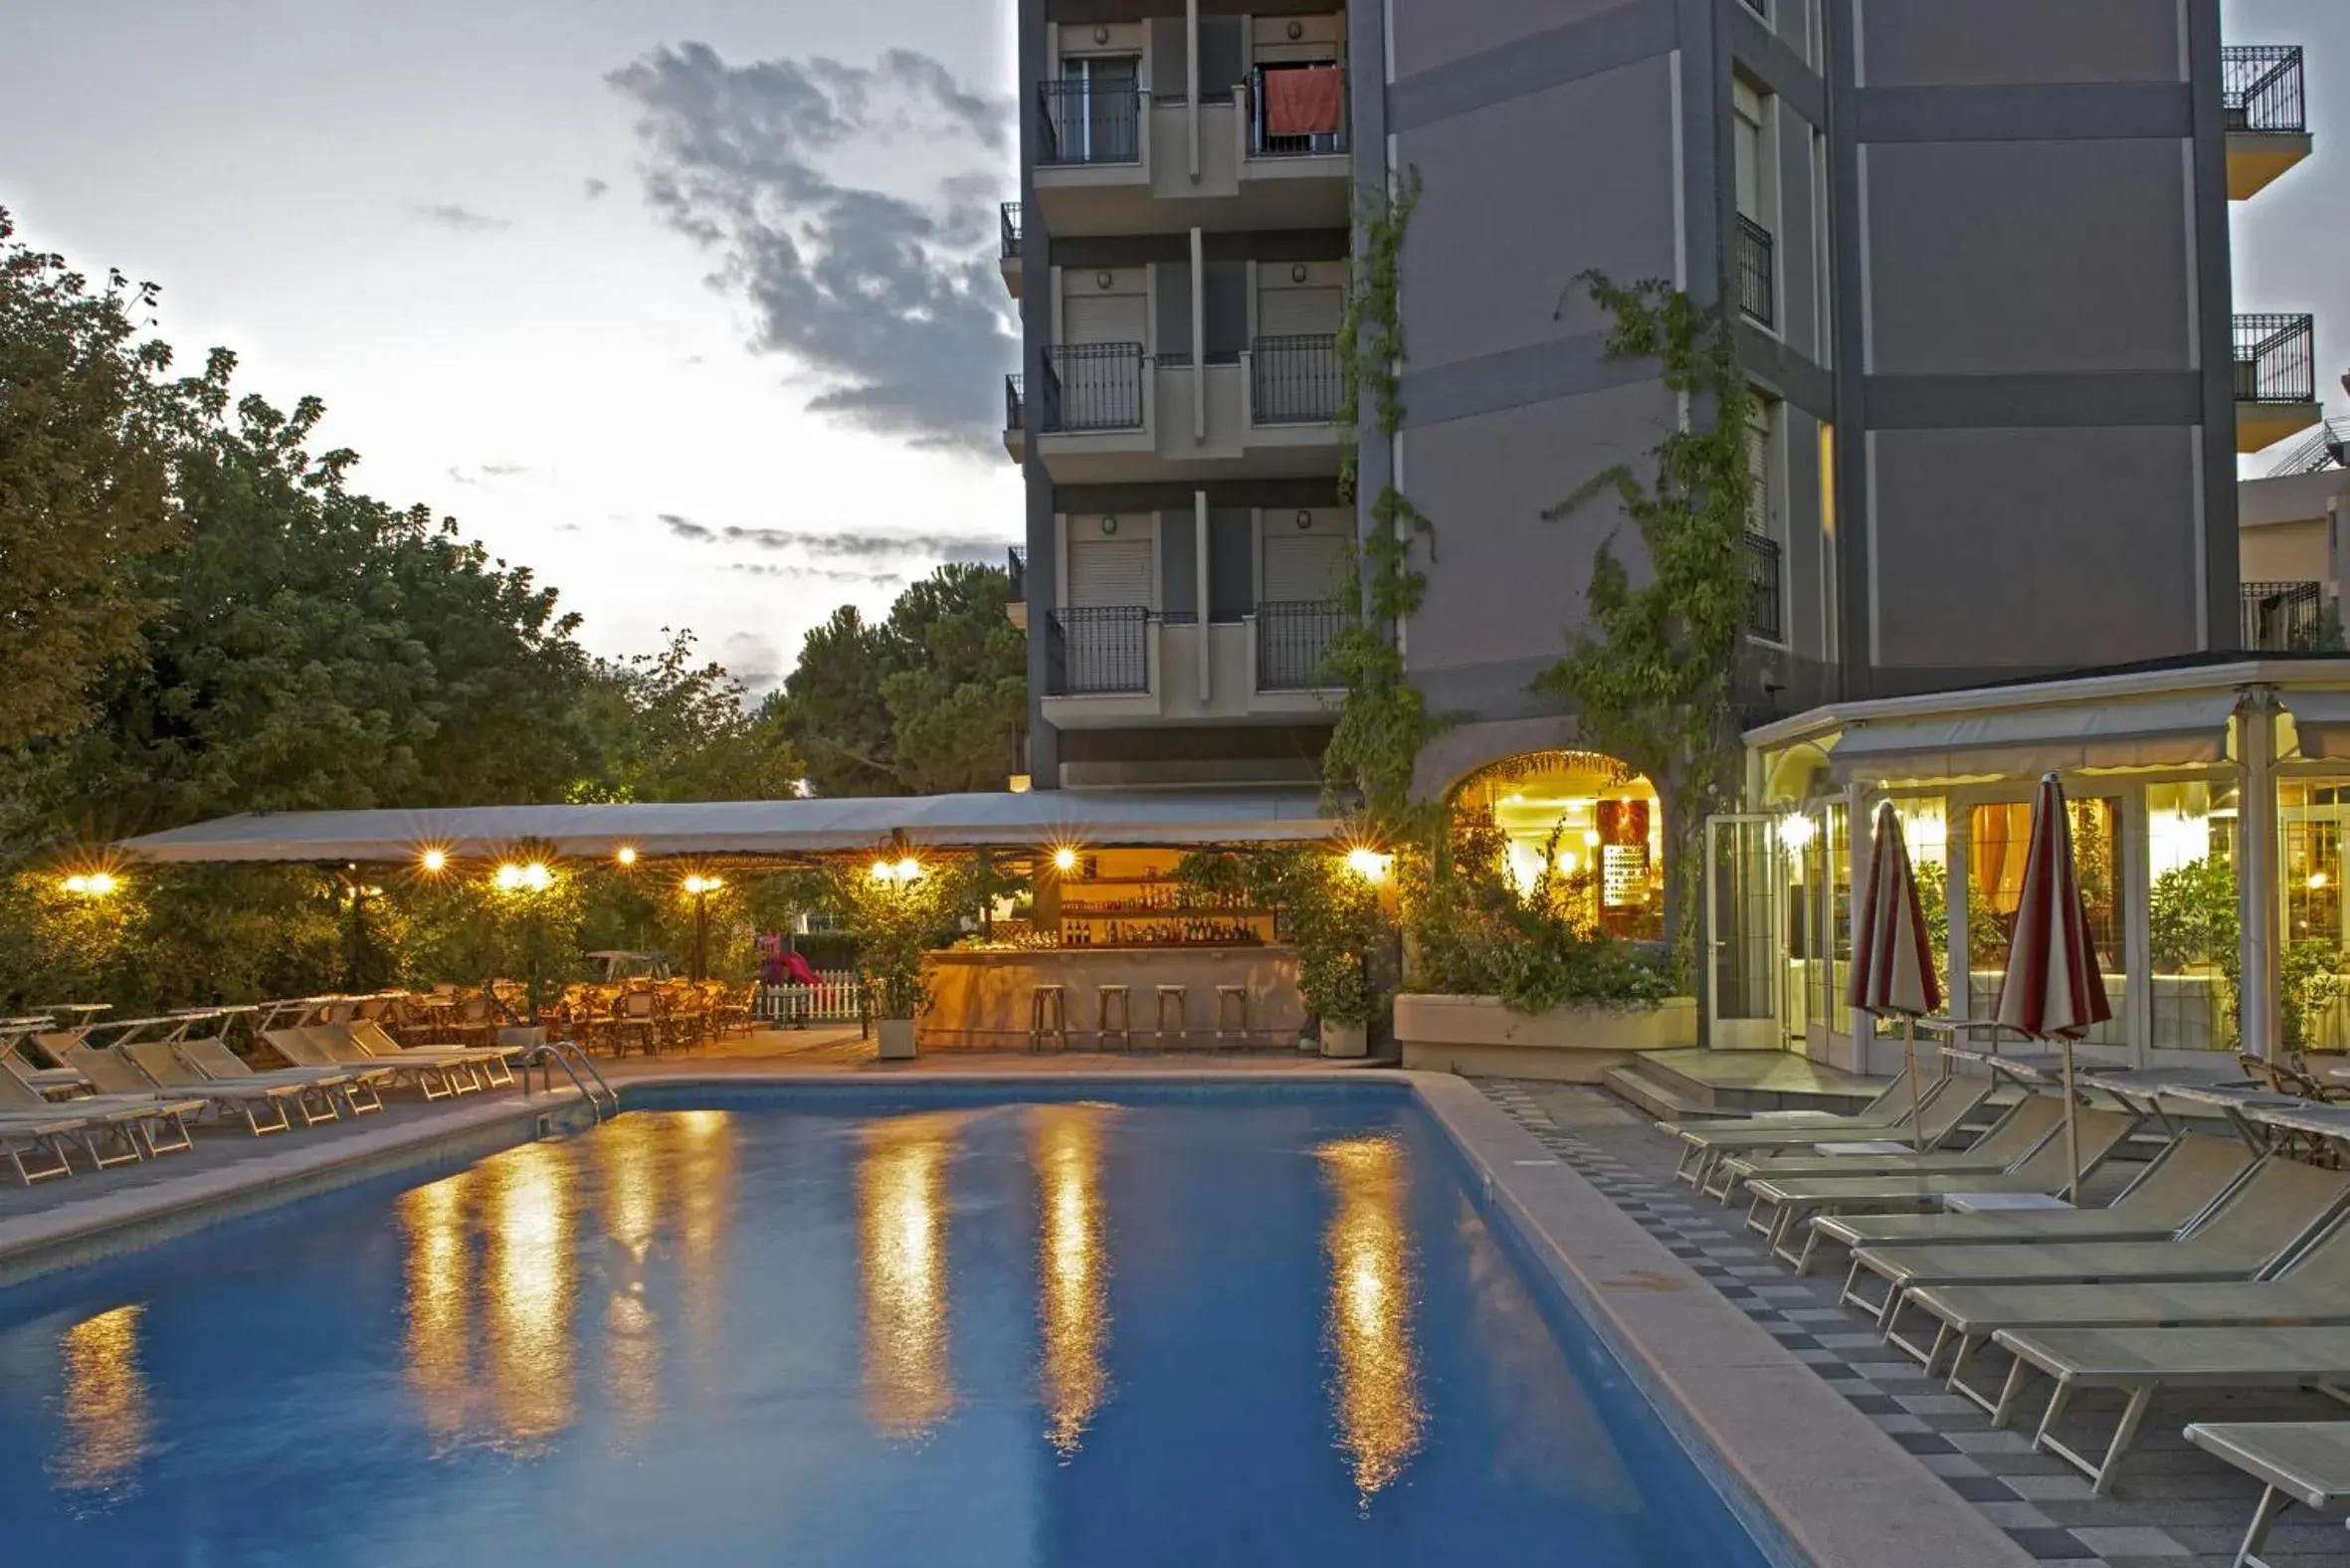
(1593, 824)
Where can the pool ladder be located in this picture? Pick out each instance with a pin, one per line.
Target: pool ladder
(549, 1055)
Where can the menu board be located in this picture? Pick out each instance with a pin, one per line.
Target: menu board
(1624, 854)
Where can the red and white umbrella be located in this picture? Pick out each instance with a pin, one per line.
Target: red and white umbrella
(1892, 956)
(2053, 988)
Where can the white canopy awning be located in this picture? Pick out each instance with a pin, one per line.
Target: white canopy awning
(2176, 731)
(2322, 720)
(1100, 818)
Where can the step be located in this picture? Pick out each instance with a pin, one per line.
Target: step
(1659, 1096)
(1723, 1084)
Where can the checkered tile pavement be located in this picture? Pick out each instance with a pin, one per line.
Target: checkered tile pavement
(2177, 1509)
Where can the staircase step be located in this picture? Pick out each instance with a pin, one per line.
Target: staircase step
(1663, 1097)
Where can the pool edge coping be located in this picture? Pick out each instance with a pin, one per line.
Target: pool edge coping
(1846, 1496)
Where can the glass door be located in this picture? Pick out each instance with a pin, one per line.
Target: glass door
(1744, 939)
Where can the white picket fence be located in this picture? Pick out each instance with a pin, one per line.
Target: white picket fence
(832, 1000)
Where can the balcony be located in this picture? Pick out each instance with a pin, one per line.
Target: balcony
(1295, 381)
(1114, 414)
(1016, 592)
(1763, 593)
(2262, 91)
(1755, 258)
(1127, 160)
(2282, 618)
(1014, 420)
(2276, 368)
(1008, 257)
(1100, 650)
(1292, 639)
(1264, 141)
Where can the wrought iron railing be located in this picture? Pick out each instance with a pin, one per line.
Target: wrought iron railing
(1008, 219)
(1293, 635)
(1085, 121)
(2262, 89)
(1093, 386)
(1016, 567)
(1262, 144)
(1095, 651)
(1014, 407)
(1294, 379)
(2275, 358)
(1762, 587)
(2326, 447)
(2281, 618)
(1757, 267)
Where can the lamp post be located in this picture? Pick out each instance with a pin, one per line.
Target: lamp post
(700, 888)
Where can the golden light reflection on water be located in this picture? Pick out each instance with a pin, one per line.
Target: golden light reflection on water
(440, 1300)
(901, 1206)
(702, 1170)
(529, 1286)
(107, 1420)
(629, 1157)
(1380, 1418)
(1072, 1268)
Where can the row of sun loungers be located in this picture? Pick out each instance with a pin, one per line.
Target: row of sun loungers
(146, 1095)
(2221, 1266)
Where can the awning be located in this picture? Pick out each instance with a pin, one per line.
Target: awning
(2177, 732)
(2322, 720)
(782, 828)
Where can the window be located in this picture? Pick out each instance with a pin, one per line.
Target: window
(1999, 843)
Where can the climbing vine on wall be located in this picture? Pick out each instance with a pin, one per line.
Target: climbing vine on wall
(1384, 721)
(1651, 671)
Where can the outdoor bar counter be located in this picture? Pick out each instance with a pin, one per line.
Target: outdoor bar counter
(981, 997)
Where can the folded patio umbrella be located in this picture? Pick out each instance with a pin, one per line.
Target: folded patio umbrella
(1305, 102)
(2053, 988)
(1892, 957)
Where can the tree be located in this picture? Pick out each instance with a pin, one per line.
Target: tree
(665, 727)
(834, 710)
(85, 423)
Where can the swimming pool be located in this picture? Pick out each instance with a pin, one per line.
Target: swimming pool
(1259, 1327)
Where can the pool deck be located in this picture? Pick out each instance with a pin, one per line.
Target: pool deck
(1819, 1482)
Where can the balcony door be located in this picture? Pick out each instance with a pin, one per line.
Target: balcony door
(1100, 108)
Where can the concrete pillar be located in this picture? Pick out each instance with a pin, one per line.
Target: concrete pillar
(1199, 557)
(1198, 342)
(1859, 834)
(2256, 874)
(1191, 76)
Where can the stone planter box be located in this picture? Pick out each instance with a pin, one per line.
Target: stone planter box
(1345, 1041)
(1569, 1044)
(897, 1039)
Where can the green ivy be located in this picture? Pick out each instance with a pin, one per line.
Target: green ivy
(1650, 673)
(1384, 722)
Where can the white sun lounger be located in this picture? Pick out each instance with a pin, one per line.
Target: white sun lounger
(2303, 1462)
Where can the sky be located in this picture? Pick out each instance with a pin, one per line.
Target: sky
(690, 305)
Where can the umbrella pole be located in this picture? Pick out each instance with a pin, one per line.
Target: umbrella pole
(2072, 1131)
(1917, 1130)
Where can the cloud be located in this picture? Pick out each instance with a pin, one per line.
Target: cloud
(595, 188)
(687, 528)
(890, 303)
(818, 574)
(457, 216)
(487, 471)
(843, 546)
(753, 661)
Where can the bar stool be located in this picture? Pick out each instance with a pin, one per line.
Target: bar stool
(1232, 999)
(1180, 997)
(1125, 1025)
(1048, 1014)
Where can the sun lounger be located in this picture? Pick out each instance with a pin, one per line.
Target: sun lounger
(436, 1076)
(2179, 1184)
(214, 1059)
(2303, 1462)
(2259, 1225)
(2141, 1362)
(2045, 1167)
(117, 1074)
(152, 1127)
(296, 1045)
(491, 1065)
(2027, 1124)
(1888, 1111)
(1940, 1118)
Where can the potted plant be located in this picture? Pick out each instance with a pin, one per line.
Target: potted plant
(1337, 918)
(897, 909)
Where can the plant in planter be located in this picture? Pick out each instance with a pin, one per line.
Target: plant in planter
(1342, 925)
(897, 907)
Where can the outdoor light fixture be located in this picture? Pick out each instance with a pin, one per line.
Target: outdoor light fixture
(1795, 831)
(909, 869)
(883, 871)
(509, 877)
(1297, 273)
(1368, 864)
(1102, 280)
(1297, 31)
(697, 885)
(536, 878)
(91, 884)
(625, 855)
(2317, 879)
(435, 862)
(1065, 860)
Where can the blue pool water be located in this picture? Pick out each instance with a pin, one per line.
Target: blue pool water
(1260, 1330)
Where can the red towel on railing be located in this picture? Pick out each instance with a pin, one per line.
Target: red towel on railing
(1308, 101)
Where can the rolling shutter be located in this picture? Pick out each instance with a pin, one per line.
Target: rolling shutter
(1109, 572)
(1301, 567)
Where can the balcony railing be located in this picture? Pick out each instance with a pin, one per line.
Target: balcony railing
(1014, 408)
(2262, 87)
(1291, 639)
(1756, 267)
(1761, 8)
(1016, 567)
(2281, 618)
(1100, 650)
(1264, 143)
(1083, 121)
(1762, 587)
(2275, 359)
(1008, 218)
(1295, 381)
(1093, 386)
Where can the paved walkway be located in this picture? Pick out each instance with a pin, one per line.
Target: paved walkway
(2177, 1509)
